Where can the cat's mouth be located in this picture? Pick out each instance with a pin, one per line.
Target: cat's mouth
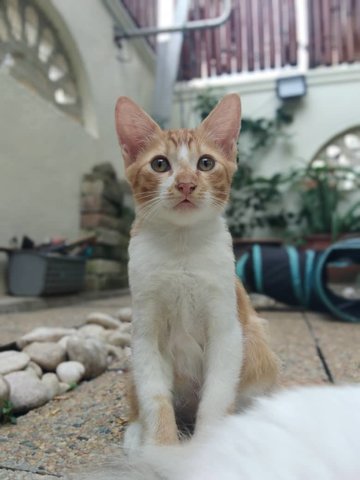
(185, 204)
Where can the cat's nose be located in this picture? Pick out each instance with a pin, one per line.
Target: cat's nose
(186, 188)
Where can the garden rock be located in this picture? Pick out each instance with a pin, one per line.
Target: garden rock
(44, 334)
(34, 368)
(70, 372)
(93, 331)
(12, 361)
(124, 314)
(63, 341)
(106, 321)
(91, 352)
(4, 391)
(51, 382)
(26, 391)
(47, 354)
(126, 328)
(63, 387)
(119, 339)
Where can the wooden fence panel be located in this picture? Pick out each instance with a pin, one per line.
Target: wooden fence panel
(334, 32)
(261, 35)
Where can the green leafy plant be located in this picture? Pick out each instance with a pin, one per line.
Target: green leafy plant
(323, 200)
(73, 386)
(321, 206)
(7, 413)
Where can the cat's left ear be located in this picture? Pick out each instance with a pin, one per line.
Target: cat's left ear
(134, 127)
(222, 125)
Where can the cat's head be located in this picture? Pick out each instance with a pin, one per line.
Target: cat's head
(181, 176)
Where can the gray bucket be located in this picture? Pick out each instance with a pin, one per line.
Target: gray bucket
(35, 273)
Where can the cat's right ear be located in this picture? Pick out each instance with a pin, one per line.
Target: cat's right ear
(134, 128)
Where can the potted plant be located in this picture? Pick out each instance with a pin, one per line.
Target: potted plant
(328, 204)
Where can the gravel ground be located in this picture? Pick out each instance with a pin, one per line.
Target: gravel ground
(73, 430)
(86, 425)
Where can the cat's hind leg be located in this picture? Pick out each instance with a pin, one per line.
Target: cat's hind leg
(260, 369)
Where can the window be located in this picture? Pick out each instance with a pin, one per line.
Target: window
(342, 151)
(31, 49)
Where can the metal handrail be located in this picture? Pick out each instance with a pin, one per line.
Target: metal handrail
(188, 26)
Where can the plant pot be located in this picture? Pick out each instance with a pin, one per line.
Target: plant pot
(240, 245)
(317, 242)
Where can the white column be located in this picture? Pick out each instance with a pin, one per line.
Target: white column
(302, 33)
(168, 56)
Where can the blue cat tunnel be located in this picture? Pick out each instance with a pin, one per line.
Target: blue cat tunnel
(300, 278)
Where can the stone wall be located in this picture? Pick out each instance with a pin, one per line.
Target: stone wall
(106, 210)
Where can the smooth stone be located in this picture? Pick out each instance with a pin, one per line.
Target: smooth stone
(26, 391)
(63, 341)
(126, 328)
(118, 358)
(44, 334)
(12, 361)
(124, 314)
(46, 354)
(34, 367)
(119, 339)
(91, 352)
(127, 363)
(115, 353)
(106, 321)
(4, 391)
(93, 331)
(50, 380)
(63, 387)
(70, 372)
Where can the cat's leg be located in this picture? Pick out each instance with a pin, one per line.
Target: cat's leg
(133, 436)
(259, 373)
(153, 377)
(222, 365)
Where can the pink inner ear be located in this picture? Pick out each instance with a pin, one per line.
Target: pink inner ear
(222, 126)
(134, 128)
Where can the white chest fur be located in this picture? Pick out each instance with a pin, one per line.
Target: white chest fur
(179, 273)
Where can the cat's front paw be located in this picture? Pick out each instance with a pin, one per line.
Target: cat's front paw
(133, 438)
(167, 434)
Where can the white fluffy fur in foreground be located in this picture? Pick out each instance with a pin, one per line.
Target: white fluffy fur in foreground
(300, 434)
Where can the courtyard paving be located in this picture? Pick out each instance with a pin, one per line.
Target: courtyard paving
(86, 425)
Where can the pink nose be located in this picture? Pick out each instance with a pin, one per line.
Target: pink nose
(186, 188)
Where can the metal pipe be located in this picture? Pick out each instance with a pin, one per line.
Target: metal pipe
(193, 25)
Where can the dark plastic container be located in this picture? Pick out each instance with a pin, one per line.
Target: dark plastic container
(35, 273)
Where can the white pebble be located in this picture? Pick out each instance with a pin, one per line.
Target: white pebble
(70, 372)
(103, 319)
(124, 314)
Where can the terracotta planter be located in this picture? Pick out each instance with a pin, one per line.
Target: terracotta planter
(242, 244)
(321, 241)
(317, 242)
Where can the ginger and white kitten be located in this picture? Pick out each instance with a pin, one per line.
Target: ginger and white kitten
(300, 434)
(198, 346)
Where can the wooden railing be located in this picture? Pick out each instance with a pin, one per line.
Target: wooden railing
(263, 35)
(334, 32)
(260, 34)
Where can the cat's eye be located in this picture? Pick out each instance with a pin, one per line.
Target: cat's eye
(160, 164)
(205, 164)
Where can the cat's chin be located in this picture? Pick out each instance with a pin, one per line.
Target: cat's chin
(188, 215)
(185, 206)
